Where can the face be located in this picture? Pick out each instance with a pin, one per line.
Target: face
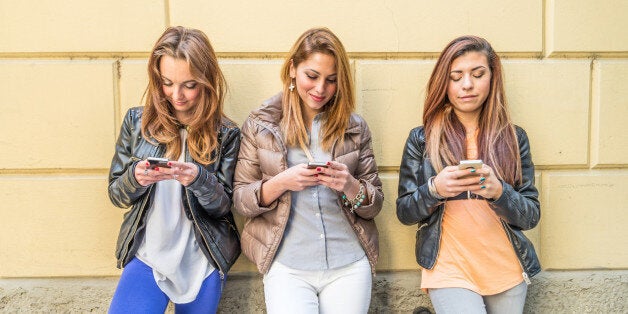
(469, 83)
(315, 80)
(179, 86)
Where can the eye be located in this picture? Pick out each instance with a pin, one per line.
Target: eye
(190, 85)
(311, 77)
(166, 83)
(455, 77)
(331, 80)
(478, 74)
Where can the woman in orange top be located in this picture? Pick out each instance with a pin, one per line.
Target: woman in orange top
(470, 245)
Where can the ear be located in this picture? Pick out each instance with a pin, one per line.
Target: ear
(293, 70)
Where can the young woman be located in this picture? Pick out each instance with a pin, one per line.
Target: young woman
(470, 244)
(178, 240)
(310, 230)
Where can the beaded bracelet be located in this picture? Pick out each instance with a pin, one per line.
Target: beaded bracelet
(356, 201)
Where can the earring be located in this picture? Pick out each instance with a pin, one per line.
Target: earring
(291, 87)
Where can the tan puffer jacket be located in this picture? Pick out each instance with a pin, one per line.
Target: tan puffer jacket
(263, 155)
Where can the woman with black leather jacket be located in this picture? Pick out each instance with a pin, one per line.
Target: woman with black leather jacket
(467, 179)
(178, 240)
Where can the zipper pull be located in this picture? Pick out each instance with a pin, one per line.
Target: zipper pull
(526, 278)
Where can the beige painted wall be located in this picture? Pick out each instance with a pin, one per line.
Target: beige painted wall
(70, 69)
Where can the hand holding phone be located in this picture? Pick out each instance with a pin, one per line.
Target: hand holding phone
(316, 164)
(158, 162)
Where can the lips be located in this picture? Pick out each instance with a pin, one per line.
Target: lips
(468, 97)
(317, 98)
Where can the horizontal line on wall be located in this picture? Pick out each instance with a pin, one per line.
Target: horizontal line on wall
(55, 171)
(74, 55)
(589, 55)
(263, 55)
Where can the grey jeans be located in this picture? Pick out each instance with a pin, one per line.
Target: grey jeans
(460, 300)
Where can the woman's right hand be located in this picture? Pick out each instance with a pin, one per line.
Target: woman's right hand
(295, 178)
(146, 176)
(452, 181)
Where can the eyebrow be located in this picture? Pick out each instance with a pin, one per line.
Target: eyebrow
(476, 68)
(335, 74)
(188, 81)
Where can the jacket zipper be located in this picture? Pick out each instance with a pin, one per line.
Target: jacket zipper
(125, 252)
(220, 271)
(526, 278)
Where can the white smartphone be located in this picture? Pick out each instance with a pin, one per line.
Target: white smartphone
(314, 164)
(472, 163)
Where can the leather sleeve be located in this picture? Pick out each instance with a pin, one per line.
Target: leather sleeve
(414, 202)
(213, 191)
(519, 206)
(367, 174)
(124, 190)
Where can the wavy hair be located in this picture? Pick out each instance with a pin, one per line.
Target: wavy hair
(159, 122)
(445, 134)
(339, 108)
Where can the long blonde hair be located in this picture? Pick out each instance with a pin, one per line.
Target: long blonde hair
(159, 121)
(445, 134)
(338, 110)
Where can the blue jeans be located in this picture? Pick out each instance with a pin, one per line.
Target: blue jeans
(137, 292)
(460, 300)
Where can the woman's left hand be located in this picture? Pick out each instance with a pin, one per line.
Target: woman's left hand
(489, 185)
(336, 176)
(184, 172)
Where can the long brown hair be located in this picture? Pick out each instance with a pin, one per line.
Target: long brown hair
(159, 121)
(445, 134)
(339, 108)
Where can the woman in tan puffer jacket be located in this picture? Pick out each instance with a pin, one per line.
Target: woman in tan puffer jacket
(305, 222)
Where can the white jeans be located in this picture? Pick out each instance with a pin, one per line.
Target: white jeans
(342, 290)
(459, 300)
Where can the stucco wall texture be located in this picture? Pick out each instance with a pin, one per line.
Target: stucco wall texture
(70, 69)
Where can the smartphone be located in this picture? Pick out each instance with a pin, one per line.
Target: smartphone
(158, 162)
(314, 164)
(468, 164)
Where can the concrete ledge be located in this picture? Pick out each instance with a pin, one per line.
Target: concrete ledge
(592, 291)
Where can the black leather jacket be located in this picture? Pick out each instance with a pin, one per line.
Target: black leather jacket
(518, 207)
(206, 201)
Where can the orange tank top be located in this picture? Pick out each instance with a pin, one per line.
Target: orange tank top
(475, 252)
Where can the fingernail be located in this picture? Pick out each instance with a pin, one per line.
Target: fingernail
(472, 170)
(483, 187)
(318, 169)
(147, 164)
(329, 163)
(482, 179)
(169, 164)
(315, 175)
(156, 168)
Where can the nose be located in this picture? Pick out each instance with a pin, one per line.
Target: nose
(467, 83)
(177, 92)
(320, 86)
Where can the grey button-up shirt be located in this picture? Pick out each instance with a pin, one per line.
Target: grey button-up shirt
(318, 235)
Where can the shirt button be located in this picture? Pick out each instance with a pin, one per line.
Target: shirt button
(322, 235)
